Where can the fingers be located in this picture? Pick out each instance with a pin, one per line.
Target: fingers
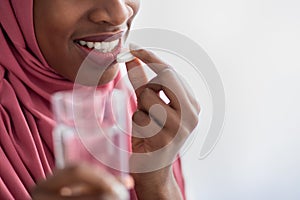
(136, 75)
(80, 181)
(147, 129)
(167, 81)
(43, 196)
(180, 116)
(170, 83)
(143, 126)
(148, 57)
(190, 95)
(93, 176)
(150, 102)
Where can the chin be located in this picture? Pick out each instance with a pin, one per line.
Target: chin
(109, 75)
(92, 76)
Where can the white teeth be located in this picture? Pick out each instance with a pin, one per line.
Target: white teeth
(110, 46)
(81, 42)
(90, 44)
(104, 47)
(115, 43)
(97, 45)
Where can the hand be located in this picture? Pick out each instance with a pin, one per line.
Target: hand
(80, 182)
(159, 129)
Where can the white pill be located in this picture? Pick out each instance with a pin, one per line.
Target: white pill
(124, 57)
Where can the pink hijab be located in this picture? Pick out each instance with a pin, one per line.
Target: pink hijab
(26, 86)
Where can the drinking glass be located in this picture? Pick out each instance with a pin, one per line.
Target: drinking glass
(92, 127)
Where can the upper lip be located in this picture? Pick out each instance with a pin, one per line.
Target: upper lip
(107, 37)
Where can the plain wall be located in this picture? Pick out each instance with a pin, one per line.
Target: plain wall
(255, 45)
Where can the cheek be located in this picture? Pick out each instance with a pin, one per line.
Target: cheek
(54, 27)
(54, 24)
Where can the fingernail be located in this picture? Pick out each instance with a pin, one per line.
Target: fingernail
(121, 191)
(66, 191)
(133, 46)
(128, 182)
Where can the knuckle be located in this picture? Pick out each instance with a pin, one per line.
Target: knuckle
(140, 119)
(191, 121)
(170, 70)
(136, 115)
(77, 170)
(167, 72)
(184, 133)
(144, 94)
(194, 122)
(198, 107)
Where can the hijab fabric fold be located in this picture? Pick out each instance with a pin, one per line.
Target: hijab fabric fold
(26, 119)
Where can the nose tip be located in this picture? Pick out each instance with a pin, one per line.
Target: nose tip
(114, 12)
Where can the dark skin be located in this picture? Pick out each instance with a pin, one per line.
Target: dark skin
(59, 23)
(72, 19)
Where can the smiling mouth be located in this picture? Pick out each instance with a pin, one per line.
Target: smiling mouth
(103, 47)
(105, 43)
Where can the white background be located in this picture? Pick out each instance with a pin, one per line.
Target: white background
(255, 45)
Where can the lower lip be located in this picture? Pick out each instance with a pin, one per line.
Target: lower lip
(101, 57)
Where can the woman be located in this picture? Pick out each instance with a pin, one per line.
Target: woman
(43, 43)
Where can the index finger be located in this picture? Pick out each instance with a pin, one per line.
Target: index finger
(149, 58)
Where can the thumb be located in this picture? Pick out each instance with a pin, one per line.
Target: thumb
(136, 75)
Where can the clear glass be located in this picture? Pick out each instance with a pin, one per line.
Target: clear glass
(92, 127)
